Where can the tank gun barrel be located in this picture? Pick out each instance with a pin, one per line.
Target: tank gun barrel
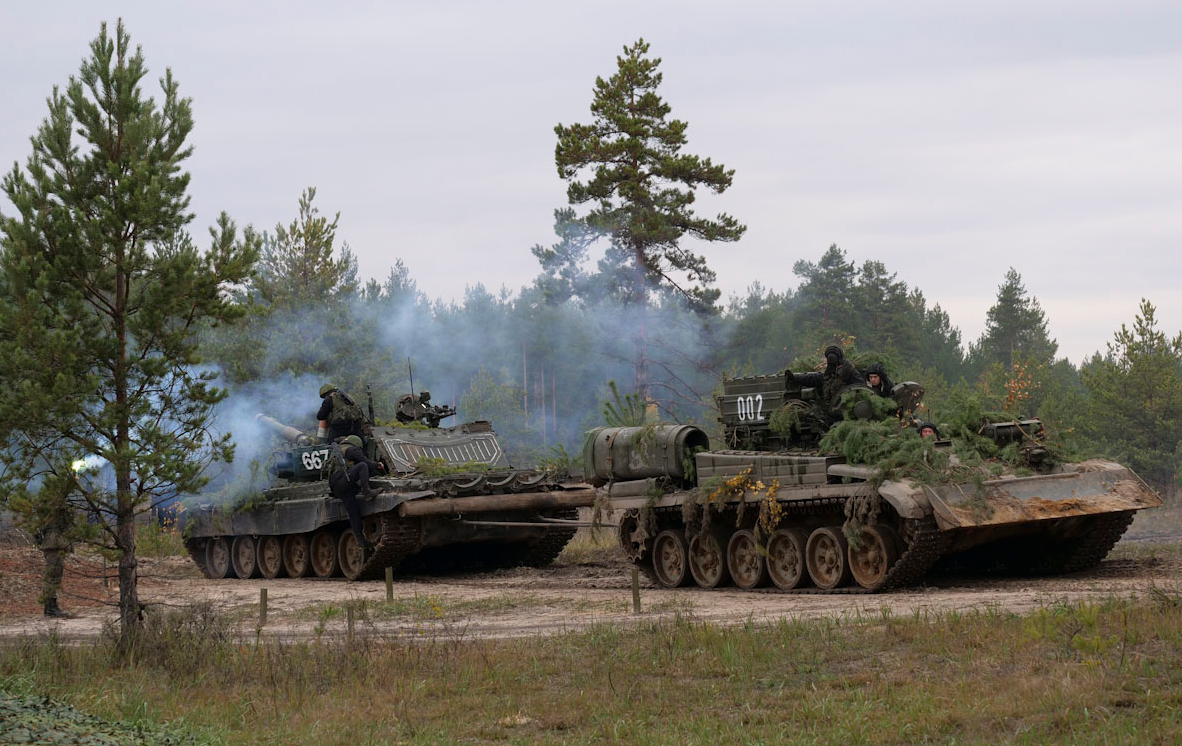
(287, 432)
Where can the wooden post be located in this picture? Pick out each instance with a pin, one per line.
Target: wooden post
(389, 585)
(349, 615)
(262, 607)
(635, 591)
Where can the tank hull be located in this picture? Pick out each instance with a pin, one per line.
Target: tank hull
(500, 515)
(1058, 522)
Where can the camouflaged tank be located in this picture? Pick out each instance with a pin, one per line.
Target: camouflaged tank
(492, 515)
(777, 506)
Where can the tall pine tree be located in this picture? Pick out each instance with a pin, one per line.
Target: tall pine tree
(1015, 329)
(628, 165)
(105, 293)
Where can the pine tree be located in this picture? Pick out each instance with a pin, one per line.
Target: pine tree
(627, 163)
(298, 266)
(105, 293)
(826, 297)
(1015, 329)
(1135, 392)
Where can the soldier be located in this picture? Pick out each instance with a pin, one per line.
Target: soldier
(343, 415)
(54, 543)
(422, 410)
(878, 381)
(838, 374)
(928, 430)
(351, 480)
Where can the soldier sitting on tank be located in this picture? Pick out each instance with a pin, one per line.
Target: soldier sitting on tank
(351, 480)
(838, 374)
(343, 415)
(878, 381)
(928, 430)
(412, 409)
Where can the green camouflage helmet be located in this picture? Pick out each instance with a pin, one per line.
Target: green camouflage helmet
(354, 440)
(327, 388)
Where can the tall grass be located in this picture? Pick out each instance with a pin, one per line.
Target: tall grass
(1088, 673)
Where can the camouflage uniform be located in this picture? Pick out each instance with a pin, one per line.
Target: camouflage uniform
(342, 413)
(54, 544)
(347, 483)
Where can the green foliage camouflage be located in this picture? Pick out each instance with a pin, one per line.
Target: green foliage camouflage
(437, 467)
(28, 719)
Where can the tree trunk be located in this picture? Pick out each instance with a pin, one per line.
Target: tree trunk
(641, 290)
(129, 600)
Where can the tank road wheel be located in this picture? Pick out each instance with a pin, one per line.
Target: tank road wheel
(871, 561)
(745, 561)
(297, 559)
(825, 556)
(350, 554)
(244, 557)
(269, 551)
(372, 527)
(707, 552)
(785, 558)
(671, 558)
(628, 532)
(217, 558)
(323, 551)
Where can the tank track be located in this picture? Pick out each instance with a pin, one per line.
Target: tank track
(196, 549)
(1090, 549)
(400, 539)
(548, 548)
(925, 545)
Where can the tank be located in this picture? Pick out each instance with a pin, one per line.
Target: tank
(768, 508)
(476, 512)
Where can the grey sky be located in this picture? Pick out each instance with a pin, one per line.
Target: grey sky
(948, 140)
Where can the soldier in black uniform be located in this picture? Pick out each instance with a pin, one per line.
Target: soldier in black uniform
(342, 413)
(878, 381)
(352, 481)
(838, 374)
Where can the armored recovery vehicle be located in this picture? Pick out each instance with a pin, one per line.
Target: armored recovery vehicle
(486, 515)
(771, 509)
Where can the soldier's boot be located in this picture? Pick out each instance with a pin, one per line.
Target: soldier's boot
(367, 546)
(55, 611)
(369, 493)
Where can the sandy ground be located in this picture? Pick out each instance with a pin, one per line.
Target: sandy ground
(573, 594)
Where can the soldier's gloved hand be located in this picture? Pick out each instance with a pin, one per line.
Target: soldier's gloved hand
(789, 377)
(381, 466)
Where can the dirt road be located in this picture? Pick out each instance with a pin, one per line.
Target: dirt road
(578, 591)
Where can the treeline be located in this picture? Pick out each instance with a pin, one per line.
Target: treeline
(537, 361)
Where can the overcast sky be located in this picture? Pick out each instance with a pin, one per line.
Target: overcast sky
(948, 140)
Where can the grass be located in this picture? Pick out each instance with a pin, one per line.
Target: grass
(1104, 673)
(591, 546)
(158, 541)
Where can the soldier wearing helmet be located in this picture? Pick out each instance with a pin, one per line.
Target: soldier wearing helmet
(340, 413)
(878, 380)
(838, 374)
(351, 481)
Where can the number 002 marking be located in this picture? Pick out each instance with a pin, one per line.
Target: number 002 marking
(750, 408)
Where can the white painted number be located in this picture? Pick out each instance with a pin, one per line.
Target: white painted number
(750, 408)
(314, 460)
